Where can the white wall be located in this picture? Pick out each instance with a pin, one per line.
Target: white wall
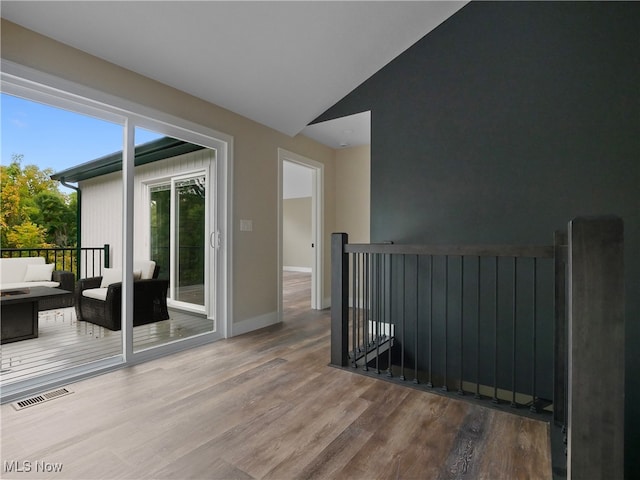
(297, 253)
(353, 192)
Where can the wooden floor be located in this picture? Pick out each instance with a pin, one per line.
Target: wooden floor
(266, 405)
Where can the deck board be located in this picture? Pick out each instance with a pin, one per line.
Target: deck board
(65, 342)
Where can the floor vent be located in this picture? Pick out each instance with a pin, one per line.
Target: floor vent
(41, 398)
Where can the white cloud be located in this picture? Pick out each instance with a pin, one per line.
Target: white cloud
(19, 123)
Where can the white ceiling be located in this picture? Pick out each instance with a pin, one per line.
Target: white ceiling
(281, 64)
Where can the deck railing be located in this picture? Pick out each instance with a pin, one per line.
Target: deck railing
(521, 326)
(84, 262)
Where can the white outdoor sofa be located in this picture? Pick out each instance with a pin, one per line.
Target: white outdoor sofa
(24, 272)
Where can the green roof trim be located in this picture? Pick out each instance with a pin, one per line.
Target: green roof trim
(165, 147)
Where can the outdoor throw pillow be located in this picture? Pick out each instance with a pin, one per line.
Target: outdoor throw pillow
(39, 273)
(110, 275)
(114, 275)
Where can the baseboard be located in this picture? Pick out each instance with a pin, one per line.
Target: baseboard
(326, 303)
(296, 269)
(255, 323)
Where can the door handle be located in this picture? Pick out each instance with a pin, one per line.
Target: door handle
(214, 239)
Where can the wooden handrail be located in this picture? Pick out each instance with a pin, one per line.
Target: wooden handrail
(529, 251)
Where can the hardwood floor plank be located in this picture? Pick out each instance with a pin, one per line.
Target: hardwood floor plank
(467, 449)
(519, 437)
(266, 405)
(335, 456)
(191, 467)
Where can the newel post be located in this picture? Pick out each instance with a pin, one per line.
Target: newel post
(560, 331)
(596, 349)
(339, 300)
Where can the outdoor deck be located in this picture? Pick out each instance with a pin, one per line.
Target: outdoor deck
(66, 342)
(267, 405)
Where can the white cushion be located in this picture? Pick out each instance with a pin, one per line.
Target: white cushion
(97, 293)
(146, 268)
(17, 285)
(39, 273)
(110, 275)
(13, 270)
(114, 275)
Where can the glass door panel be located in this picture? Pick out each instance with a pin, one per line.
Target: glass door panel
(190, 205)
(42, 219)
(160, 228)
(172, 228)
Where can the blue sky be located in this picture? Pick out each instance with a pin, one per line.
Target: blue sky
(53, 138)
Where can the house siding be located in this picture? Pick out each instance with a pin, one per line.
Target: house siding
(102, 225)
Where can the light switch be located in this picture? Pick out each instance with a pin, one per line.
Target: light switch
(246, 225)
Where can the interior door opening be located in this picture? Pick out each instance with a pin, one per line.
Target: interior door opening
(300, 231)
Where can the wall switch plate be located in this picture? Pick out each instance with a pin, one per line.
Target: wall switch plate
(246, 225)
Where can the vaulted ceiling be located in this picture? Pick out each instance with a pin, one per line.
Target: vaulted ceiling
(281, 64)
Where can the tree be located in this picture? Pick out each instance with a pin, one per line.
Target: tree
(34, 211)
(27, 235)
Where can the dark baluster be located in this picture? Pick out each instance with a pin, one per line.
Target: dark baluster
(495, 339)
(446, 318)
(359, 300)
(367, 311)
(514, 339)
(354, 305)
(404, 308)
(71, 263)
(477, 395)
(107, 260)
(383, 299)
(430, 382)
(86, 265)
(378, 306)
(391, 316)
(534, 406)
(415, 367)
(460, 389)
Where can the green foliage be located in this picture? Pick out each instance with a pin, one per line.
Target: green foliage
(27, 235)
(34, 213)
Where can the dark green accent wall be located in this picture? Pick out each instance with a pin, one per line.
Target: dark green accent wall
(503, 124)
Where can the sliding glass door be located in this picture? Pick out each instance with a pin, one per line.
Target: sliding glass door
(178, 238)
(189, 254)
(146, 195)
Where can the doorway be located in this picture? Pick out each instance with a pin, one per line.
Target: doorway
(178, 234)
(300, 223)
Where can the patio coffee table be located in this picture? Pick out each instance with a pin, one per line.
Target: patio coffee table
(19, 311)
